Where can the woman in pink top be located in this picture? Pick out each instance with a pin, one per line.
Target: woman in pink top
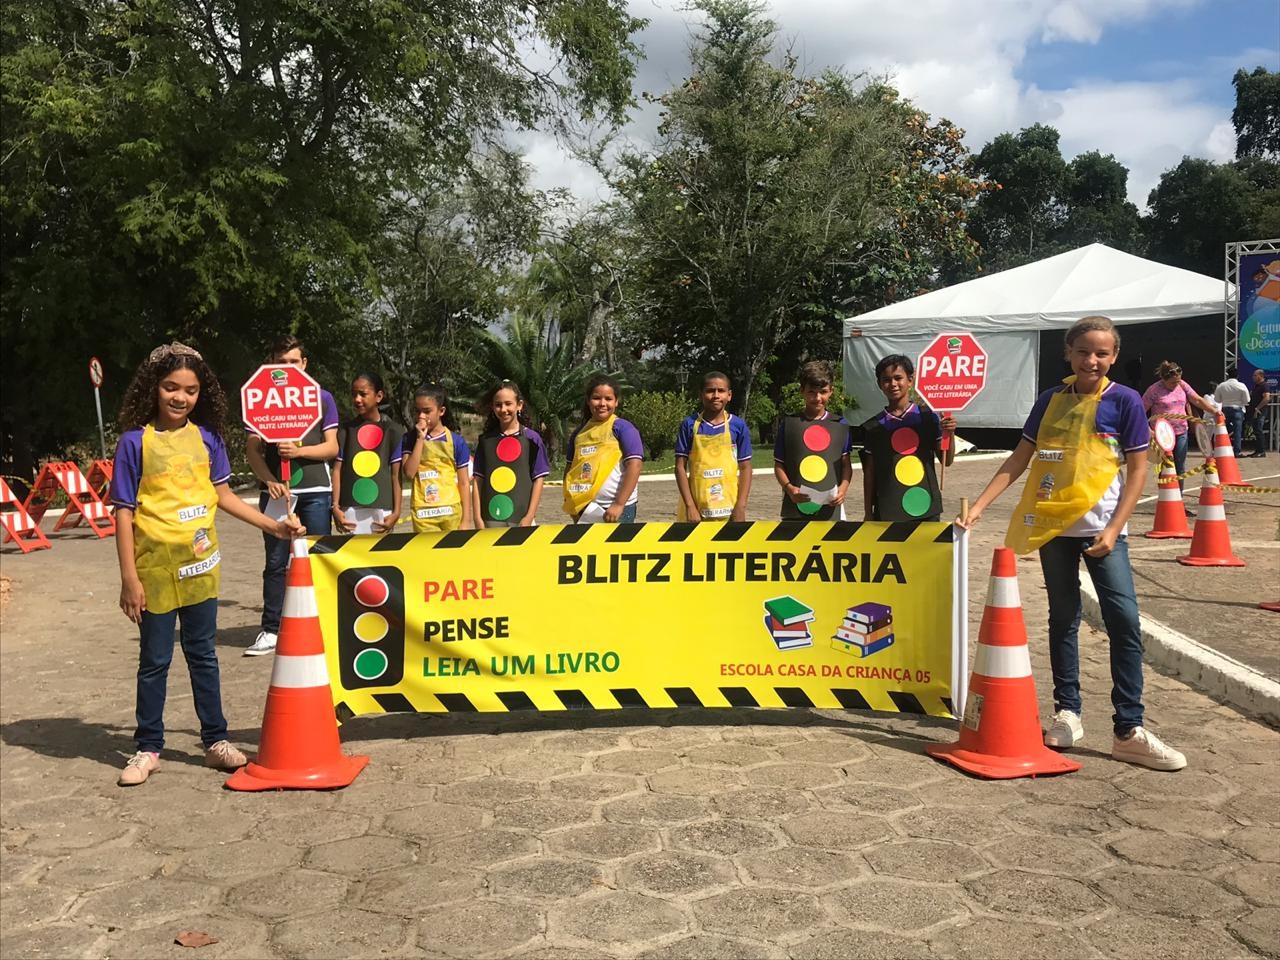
(1170, 395)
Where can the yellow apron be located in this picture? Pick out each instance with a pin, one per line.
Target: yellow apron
(596, 452)
(435, 501)
(175, 544)
(713, 473)
(1070, 471)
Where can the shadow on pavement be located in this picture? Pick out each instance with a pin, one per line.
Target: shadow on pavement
(70, 737)
(421, 725)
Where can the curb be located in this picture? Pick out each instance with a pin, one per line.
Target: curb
(1199, 665)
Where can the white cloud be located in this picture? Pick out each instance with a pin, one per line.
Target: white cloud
(961, 61)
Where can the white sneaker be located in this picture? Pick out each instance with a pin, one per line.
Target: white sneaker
(1065, 731)
(1145, 749)
(263, 643)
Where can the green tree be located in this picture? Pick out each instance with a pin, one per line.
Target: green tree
(224, 170)
(441, 275)
(1195, 209)
(575, 283)
(767, 193)
(657, 415)
(544, 370)
(1256, 116)
(1038, 204)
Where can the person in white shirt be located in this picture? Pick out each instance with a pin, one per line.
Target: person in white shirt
(1233, 397)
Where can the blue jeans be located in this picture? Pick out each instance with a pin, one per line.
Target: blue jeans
(314, 512)
(199, 627)
(1113, 580)
(1235, 426)
(1180, 456)
(1259, 436)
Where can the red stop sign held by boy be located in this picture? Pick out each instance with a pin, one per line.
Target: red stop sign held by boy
(280, 403)
(951, 371)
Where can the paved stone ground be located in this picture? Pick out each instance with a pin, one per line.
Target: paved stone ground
(699, 834)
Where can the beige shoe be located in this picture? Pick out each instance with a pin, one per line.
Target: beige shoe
(223, 756)
(140, 766)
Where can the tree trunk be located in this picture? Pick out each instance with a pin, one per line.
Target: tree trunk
(597, 322)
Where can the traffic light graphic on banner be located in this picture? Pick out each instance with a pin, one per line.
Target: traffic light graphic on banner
(371, 627)
(908, 471)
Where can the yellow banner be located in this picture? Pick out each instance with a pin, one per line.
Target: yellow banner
(657, 615)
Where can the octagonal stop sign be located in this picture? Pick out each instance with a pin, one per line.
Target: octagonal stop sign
(951, 371)
(280, 403)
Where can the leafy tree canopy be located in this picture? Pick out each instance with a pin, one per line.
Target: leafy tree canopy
(225, 170)
(773, 200)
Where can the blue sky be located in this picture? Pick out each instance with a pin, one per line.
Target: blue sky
(1217, 35)
(1146, 80)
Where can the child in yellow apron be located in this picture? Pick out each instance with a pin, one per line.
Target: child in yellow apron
(436, 461)
(1075, 506)
(605, 454)
(170, 479)
(713, 458)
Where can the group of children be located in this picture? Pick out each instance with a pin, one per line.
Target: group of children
(171, 476)
(501, 486)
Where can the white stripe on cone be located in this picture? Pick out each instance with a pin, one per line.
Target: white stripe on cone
(1003, 592)
(1211, 511)
(300, 603)
(1002, 662)
(1169, 493)
(308, 671)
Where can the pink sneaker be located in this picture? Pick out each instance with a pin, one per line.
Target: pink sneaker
(223, 756)
(140, 766)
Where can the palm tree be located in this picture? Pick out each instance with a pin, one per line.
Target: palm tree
(546, 373)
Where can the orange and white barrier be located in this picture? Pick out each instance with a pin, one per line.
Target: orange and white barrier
(1000, 736)
(18, 526)
(82, 501)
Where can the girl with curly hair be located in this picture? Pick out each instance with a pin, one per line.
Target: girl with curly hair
(171, 473)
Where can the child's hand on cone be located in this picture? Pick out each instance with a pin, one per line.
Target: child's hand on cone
(289, 527)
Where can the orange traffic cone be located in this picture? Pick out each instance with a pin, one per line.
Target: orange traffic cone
(1211, 539)
(1171, 515)
(1228, 469)
(300, 747)
(1000, 734)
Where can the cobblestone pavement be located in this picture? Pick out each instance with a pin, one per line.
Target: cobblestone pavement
(699, 834)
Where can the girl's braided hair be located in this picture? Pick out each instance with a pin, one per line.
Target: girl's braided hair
(142, 400)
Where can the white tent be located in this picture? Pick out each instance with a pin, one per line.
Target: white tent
(1008, 310)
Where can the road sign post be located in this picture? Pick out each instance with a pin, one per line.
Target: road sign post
(95, 377)
(950, 372)
(280, 403)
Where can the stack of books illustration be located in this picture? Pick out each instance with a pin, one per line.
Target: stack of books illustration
(866, 629)
(788, 622)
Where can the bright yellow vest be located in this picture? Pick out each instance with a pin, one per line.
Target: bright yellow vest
(435, 500)
(1070, 470)
(596, 452)
(175, 544)
(713, 473)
